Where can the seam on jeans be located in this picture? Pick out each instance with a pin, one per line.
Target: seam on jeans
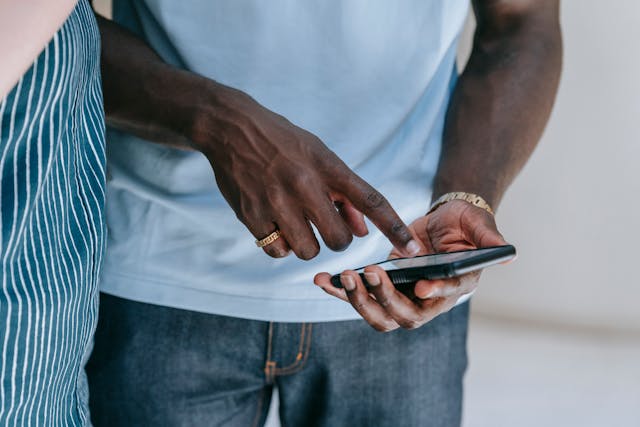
(270, 365)
(269, 340)
(270, 371)
(258, 416)
(303, 327)
(302, 357)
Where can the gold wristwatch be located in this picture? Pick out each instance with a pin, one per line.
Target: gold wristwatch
(474, 199)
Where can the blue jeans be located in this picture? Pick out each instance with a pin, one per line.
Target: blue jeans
(159, 366)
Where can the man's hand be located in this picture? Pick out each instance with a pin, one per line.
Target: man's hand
(273, 174)
(454, 226)
(278, 176)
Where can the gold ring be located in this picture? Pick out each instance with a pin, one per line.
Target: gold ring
(261, 243)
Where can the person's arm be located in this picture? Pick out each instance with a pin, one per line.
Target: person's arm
(26, 26)
(497, 114)
(503, 99)
(273, 173)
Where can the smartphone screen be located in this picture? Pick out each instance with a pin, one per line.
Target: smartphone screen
(404, 271)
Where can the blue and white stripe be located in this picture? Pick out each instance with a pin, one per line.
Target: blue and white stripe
(52, 171)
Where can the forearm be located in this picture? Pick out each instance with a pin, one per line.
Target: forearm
(147, 97)
(258, 157)
(502, 101)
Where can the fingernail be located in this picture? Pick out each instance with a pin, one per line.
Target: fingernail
(372, 278)
(348, 282)
(412, 248)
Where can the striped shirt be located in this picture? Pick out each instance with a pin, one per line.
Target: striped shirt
(52, 171)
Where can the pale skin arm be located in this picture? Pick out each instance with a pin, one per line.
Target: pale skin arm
(26, 26)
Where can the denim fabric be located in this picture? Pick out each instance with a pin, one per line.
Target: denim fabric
(160, 366)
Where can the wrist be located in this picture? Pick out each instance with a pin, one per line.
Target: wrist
(471, 198)
(216, 112)
(489, 188)
(197, 109)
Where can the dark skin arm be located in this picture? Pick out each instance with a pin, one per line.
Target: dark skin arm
(272, 173)
(496, 117)
(504, 97)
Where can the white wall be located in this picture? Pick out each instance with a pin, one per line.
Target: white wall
(574, 212)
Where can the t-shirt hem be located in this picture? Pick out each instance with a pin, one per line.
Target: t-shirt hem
(244, 307)
(161, 293)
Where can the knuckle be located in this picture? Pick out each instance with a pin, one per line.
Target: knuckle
(302, 181)
(384, 301)
(332, 167)
(358, 305)
(276, 197)
(398, 228)
(374, 200)
(358, 301)
(249, 210)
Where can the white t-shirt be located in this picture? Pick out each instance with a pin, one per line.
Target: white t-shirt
(371, 79)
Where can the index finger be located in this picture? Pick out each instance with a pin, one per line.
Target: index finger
(375, 206)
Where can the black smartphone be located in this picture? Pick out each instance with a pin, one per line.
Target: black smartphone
(406, 271)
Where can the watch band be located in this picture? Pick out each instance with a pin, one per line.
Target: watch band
(474, 199)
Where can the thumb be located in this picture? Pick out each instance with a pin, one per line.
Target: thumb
(491, 237)
(481, 229)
